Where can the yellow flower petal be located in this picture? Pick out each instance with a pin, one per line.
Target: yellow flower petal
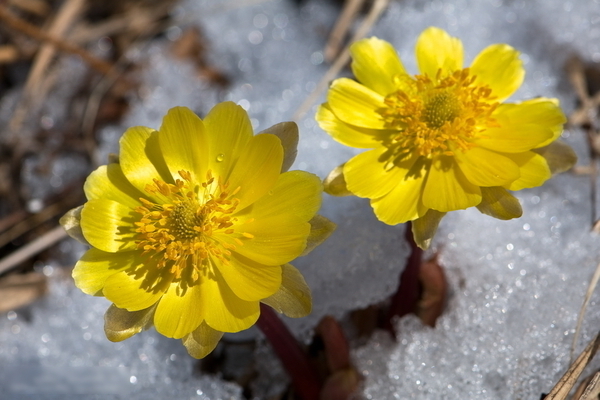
(499, 67)
(320, 229)
(202, 341)
(335, 183)
(109, 182)
(486, 168)
(228, 129)
(523, 126)
(366, 176)
(141, 158)
(559, 156)
(293, 297)
(181, 309)
(533, 168)
(447, 189)
(297, 194)
(250, 280)
(402, 203)
(275, 241)
(96, 266)
(108, 225)
(257, 170)
(183, 143)
(138, 287)
(356, 104)
(71, 222)
(543, 111)
(424, 228)
(287, 132)
(437, 49)
(375, 64)
(223, 310)
(120, 324)
(347, 134)
(514, 138)
(498, 203)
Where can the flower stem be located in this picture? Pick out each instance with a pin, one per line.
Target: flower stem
(405, 299)
(305, 380)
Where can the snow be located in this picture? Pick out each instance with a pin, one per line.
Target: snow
(515, 286)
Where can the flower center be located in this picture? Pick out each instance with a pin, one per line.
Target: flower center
(441, 108)
(179, 231)
(433, 117)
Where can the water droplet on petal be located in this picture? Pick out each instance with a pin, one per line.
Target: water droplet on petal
(220, 157)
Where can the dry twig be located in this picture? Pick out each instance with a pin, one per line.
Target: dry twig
(378, 7)
(32, 248)
(568, 380)
(341, 28)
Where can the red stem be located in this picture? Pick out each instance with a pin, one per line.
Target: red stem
(406, 297)
(305, 380)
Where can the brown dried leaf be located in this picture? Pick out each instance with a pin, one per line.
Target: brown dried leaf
(18, 290)
(337, 350)
(341, 385)
(434, 288)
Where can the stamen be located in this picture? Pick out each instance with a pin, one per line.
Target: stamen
(180, 232)
(429, 116)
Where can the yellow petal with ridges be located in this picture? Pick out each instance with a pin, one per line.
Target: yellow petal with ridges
(293, 297)
(533, 168)
(96, 266)
(184, 143)
(320, 229)
(223, 310)
(355, 104)
(375, 63)
(335, 183)
(109, 182)
(499, 67)
(120, 324)
(559, 156)
(402, 203)
(447, 189)
(180, 310)
(257, 170)
(108, 225)
(296, 194)
(425, 227)
(287, 132)
(547, 110)
(367, 176)
(202, 341)
(274, 241)
(515, 138)
(437, 49)
(500, 204)
(486, 168)
(141, 157)
(139, 288)
(228, 129)
(250, 280)
(347, 134)
(541, 110)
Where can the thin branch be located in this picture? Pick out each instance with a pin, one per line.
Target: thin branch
(32, 248)
(561, 390)
(378, 7)
(62, 45)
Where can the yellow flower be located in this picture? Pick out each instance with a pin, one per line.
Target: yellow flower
(195, 224)
(441, 140)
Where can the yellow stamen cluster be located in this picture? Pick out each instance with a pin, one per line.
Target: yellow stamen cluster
(179, 232)
(431, 116)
